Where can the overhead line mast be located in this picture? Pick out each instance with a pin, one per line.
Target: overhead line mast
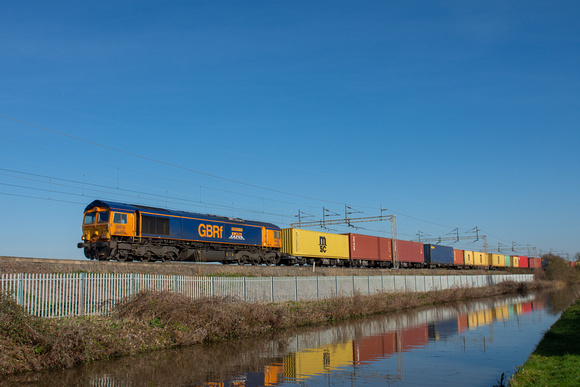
(349, 221)
(456, 238)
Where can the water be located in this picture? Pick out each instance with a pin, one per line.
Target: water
(470, 343)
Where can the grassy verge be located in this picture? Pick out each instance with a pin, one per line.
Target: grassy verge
(556, 360)
(150, 321)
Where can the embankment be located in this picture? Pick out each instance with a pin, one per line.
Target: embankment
(151, 321)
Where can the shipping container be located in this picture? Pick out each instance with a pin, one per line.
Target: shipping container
(443, 330)
(501, 313)
(314, 244)
(480, 259)
(535, 262)
(369, 248)
(410, 252)
(462, 323)
(572, 264)
(523, 261)
(508, 261)
(515, 261)
(317, 361)
(458, 257)
(497, 260)
(414, 337)
(468, 258)
(371, 348)
(526, 307)
(438, 255)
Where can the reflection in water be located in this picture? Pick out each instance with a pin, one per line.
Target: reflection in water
(471, 342)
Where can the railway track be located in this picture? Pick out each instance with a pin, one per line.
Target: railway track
(14, 265)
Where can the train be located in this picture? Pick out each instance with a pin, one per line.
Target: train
(131, 232)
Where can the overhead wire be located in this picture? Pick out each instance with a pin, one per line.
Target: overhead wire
(172, 165)
(161, 162)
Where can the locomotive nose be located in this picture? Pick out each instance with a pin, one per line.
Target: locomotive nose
(81, 245)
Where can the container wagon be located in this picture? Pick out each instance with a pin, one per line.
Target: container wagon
(410, 254)
(458, 258)
(523, 261)
(370, 251)
(314, 247)
(438, 256)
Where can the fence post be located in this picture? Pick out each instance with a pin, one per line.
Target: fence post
(175, 284)
(353, 288)
(82, 295)
(317, 288)
(296, 288)
(212, 287)
(21, 289)
(336, 285)
(272, 289)
(245, 289)
(132, 283)
(369, 284)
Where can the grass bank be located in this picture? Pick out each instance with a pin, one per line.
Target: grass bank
(556, 360)
(151, 321)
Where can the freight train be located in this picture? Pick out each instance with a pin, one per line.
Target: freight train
(129, 232)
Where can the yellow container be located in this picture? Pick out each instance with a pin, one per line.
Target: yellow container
(468, 258)
(472, 320)
(497, 260)
(480, 259)
(314, 244)
(316, 361)
(515, 261)
(501, 313)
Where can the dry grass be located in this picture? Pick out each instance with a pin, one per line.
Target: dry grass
(155, 320)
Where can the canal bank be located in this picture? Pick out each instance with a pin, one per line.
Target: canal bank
(152, 321)
(458, 343)
(556, 360)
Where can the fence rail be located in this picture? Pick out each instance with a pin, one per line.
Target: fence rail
(60, 295)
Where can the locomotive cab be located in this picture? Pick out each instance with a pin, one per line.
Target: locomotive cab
(96, 225)
(103, 226)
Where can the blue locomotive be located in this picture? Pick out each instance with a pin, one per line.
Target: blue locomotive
(128, 232)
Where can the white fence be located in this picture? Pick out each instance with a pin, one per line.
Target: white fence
(58, 295)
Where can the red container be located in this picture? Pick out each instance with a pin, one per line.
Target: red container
(410, 251)
(372, 348)
(371, 248)
(526, 307)
(538, 305)
(458, 257)
(535, 262)
(572, 264)
(414, 337)
(462, 323)
(523, 262)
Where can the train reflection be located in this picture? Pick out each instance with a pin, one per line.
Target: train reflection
(318, 353)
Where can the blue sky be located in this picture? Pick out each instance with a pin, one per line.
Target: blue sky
(449, 114)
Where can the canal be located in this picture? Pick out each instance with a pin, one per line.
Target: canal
(468, 343)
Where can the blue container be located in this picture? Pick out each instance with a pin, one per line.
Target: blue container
(437, 254)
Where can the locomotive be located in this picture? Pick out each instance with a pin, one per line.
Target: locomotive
(130, 232)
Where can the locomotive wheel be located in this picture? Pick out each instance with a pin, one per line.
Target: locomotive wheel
(169, 256)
